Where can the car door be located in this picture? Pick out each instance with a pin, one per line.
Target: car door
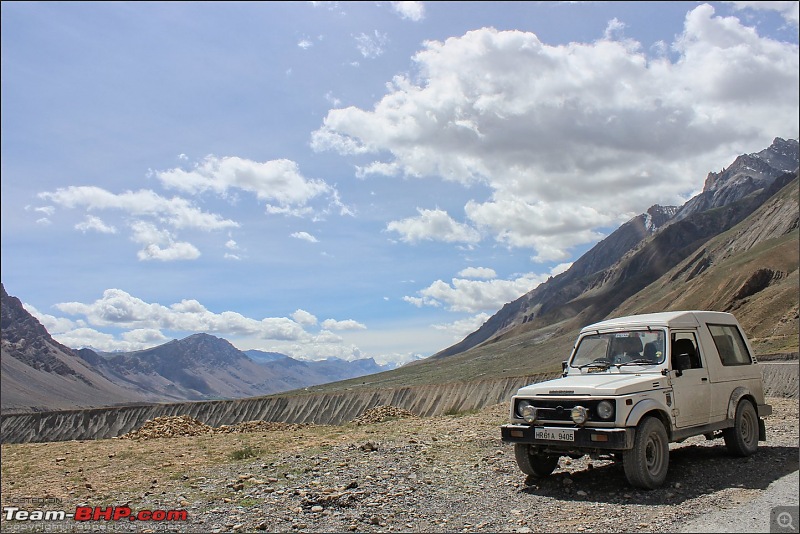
(689, 378)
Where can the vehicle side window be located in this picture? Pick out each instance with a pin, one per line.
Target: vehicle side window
(685, 354)
(730, 345)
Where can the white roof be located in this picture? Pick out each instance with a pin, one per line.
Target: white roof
(672, 319)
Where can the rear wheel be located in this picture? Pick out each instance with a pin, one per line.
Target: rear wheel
(534, 463)
(646, 464)
(742, 438)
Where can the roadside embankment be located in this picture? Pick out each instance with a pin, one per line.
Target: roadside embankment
(326, 408)
(780, 380)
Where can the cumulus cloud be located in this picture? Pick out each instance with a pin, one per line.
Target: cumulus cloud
(409, 10)
(433, 225)
(463, 295)
(278, 182)
(160, 245)
(477, 272)
(177, 212)
(304, 318)
(463, 327)
(332, 324)
(473, 296)
(573, 138)
(144, 324)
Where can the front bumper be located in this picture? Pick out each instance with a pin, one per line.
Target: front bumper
(614, 439)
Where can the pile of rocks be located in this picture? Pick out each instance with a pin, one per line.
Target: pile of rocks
(168, 427)
(382, 413)
(258, 426)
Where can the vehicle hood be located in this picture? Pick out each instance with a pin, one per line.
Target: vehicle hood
(596, 384)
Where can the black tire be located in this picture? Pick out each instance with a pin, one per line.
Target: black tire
(646, 464)
(742, 438)
(533, 463)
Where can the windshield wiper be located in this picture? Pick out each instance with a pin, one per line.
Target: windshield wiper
(638, 361)
(600, 362)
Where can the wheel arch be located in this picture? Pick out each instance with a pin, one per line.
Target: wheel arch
(737, 395)
(650, 408)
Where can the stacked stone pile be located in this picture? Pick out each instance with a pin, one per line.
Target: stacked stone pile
(258, 426)
(382, 413)
(168, 427)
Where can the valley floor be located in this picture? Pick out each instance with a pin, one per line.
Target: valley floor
(406, 474)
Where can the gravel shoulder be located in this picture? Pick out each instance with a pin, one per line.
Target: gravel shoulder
(405, 474)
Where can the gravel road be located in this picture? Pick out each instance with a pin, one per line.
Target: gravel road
(453, 474)
(754, 516)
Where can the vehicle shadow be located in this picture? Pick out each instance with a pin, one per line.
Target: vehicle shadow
(694, 470)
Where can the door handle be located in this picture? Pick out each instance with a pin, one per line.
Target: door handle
(704, 379)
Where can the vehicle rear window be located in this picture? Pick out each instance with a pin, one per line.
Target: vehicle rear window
(730, 345)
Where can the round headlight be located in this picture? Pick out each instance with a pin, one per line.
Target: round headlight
(605, 410)
(529, 413)
(578, 414)
(520, 405)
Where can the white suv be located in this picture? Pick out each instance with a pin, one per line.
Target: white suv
(634, 384)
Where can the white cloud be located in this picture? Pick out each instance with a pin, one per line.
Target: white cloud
(305, 44)
(349, 324)
(160, 244)
(145, 324)
(410, 10)
(790, 11)
(473, 296)
(276, 181)
(462, 328)
(304, 318)
(478, 272)
(580, 135)
(177, 212)
(96, 224)
(433, 225)
(120, 309)
(305, 236)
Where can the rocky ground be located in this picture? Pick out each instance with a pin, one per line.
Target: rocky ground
(388, 471)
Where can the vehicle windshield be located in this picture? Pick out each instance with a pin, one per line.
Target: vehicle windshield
(598, 352)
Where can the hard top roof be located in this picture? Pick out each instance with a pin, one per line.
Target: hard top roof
(671, 319)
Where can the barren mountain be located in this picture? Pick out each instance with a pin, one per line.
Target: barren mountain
(40, 373)
(645, 248)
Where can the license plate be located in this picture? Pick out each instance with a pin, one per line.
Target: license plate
(555, 434)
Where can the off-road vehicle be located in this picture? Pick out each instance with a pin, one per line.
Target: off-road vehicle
(635, 384)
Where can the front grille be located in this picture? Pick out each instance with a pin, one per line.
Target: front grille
(558, 410)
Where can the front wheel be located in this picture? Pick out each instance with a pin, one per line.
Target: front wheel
(742, 438)
(647, 462)
(534, 463)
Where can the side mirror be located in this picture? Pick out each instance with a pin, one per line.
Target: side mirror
(681, 362)
(564, 368)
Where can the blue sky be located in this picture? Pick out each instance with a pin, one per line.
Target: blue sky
(355, 179)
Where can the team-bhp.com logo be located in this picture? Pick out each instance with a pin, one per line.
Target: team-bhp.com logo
(93, 513)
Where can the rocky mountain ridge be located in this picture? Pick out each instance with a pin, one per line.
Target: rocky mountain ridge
(645, 248)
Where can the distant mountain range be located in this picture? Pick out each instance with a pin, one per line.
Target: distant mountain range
(38, 373)
(733, 247)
